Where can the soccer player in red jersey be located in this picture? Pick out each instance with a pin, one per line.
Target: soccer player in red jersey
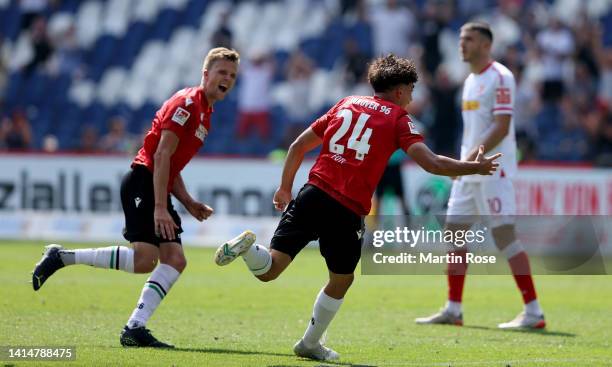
(488, 105)
(358, 135)
(152, 226)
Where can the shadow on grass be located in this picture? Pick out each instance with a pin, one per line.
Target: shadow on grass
(229, 351)
(250, 352)
(543, 332)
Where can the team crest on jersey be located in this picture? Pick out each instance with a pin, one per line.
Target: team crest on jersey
(180, 116)
(502, 96)
(188, 101)
(201, 132)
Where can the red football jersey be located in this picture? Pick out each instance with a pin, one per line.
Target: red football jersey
(187, 114)
(359, 135)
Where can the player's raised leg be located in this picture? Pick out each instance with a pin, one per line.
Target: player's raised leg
(230, 250)
(532, 316)
(172, 263)
(264, 264)
(295, 230)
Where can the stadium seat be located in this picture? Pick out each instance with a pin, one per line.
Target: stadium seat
(88, 22)
(11, 21)
(164, 24)
(82, 92)
(192, 12)
(131, 44)
(101, 56)
(110, 85)
(116, 18)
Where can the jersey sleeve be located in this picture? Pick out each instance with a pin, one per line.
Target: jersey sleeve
(320, 125)
(503, 103)
(406, 132)
(177, 115)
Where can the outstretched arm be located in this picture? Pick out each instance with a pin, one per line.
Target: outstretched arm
(304, 143)
(445, 166)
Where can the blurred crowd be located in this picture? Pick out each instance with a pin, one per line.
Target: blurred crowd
(559, 51)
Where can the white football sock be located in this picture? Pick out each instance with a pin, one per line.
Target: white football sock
(325, 309)
(513, 249)
(453, 307)
(154, 290)
(113, 257)
(258, 259)
(533, 308)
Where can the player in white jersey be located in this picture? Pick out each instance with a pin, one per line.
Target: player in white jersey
(487, 109)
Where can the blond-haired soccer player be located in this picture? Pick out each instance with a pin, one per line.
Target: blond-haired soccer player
(488, 105)
(152, 226)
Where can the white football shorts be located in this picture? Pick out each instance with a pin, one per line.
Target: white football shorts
(491, 200)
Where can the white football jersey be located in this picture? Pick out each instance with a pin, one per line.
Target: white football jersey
(486, 94)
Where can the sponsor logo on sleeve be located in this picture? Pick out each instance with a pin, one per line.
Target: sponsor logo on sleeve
(502, 96)
(180, 116)
(413, 129)
(412, 126)
(201, 132)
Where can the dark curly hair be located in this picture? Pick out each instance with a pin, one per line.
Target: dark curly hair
(386, 73)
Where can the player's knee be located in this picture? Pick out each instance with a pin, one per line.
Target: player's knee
(342, 282)
(182, 264)
(268, 277)
(347, 281)
(503, 236)
(178, 262)
(350, 280)
(144, 265)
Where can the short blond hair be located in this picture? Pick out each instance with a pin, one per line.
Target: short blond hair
(220, 53)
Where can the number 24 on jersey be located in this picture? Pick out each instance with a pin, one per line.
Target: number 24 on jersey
(361, 146)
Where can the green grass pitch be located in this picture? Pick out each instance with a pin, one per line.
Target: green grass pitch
(225, 317)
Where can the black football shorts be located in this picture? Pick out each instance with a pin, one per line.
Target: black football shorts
(138, 201)
(313, 215)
